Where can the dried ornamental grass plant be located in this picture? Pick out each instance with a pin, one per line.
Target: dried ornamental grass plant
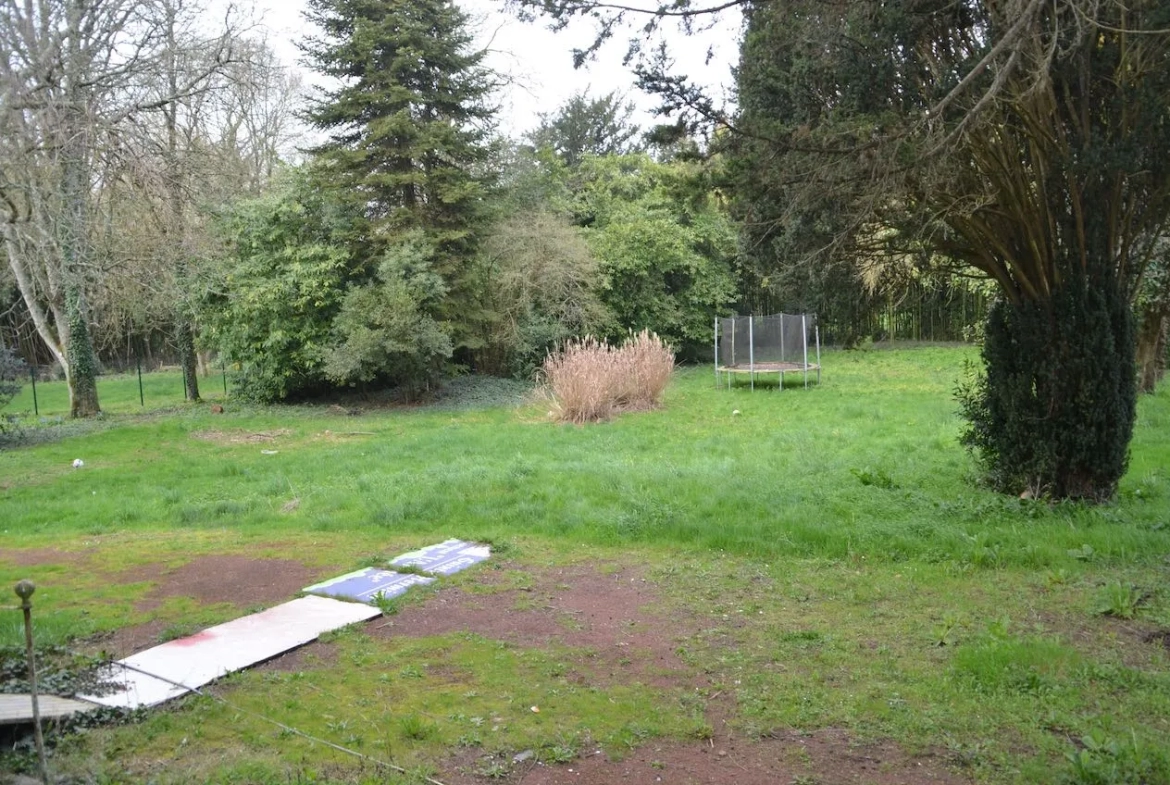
(591, 380)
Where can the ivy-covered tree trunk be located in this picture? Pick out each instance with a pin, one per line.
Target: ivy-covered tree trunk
(81, 361)
(1055, 413)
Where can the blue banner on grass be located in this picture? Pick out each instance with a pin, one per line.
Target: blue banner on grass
(368, 584)
(445, 558)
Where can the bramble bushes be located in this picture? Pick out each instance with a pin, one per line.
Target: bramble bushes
(385, 330)
(591, 380)
(302, 313)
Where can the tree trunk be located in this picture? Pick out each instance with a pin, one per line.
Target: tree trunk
(41, 320)
(81, 361)
(1151, 346)
(176, 226)
(81, 365)
(187, 359)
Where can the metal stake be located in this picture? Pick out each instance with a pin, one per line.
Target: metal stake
(32, 374)
(751, 352)
(24, 590)
(782, 355)
(817, 330)
(716, 352)
(804, 343)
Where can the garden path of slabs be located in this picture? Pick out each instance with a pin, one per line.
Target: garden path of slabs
(177, 667)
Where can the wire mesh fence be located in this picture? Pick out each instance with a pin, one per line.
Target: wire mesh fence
(42, 396)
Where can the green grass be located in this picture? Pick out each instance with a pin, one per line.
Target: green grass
(791, 476)
(853, 572)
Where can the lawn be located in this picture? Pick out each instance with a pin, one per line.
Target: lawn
(814, 590)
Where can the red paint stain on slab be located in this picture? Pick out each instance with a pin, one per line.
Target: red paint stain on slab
(193, 640)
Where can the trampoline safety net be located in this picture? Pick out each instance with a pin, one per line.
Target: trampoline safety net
(779, 338)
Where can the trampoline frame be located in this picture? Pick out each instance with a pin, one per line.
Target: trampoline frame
(780, 368)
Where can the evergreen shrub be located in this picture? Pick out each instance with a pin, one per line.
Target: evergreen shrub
(1054, 413)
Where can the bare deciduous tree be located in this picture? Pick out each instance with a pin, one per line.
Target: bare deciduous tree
(157, 198)
(79, 76)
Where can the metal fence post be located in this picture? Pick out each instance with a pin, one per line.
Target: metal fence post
(32, 375)
(24, 590)
(717, 352)
(141, 397)
(804, 344)
(751, 352)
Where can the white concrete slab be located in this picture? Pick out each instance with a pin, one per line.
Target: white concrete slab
(218, 651)
(368, 584)
(445, 558)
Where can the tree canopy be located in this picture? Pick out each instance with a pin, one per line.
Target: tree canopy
(409, 122)
(587, 126)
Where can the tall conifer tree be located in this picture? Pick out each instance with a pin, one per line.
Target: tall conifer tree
(408, 126)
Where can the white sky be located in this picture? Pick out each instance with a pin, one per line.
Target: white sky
(539, 62)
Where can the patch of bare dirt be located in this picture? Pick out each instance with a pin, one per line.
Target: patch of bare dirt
(827, 757)
(240, 580)
(240, 437)
(629, 632)
(125, 641)
(151, 572)
(1159, 637)
(618, 618)
(342, 436)
(634, 634)
(1107, 637)
(37, 557)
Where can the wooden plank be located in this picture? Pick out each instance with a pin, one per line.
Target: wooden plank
(188, 663)
(17, 709)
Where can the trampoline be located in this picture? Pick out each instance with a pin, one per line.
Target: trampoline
(778, 344)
